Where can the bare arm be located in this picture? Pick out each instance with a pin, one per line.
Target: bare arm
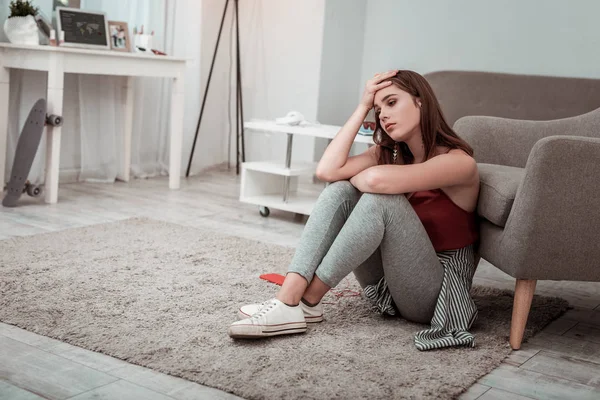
(335, 164)
(353, 166)
(452, 169)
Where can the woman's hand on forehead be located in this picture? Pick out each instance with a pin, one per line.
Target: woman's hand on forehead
(375, 84)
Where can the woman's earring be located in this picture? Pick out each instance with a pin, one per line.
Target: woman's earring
(395, 153)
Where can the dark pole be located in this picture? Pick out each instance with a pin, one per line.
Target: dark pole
(237, 96)
(239, 83)
(212, 65)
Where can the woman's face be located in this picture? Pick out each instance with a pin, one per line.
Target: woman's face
(397, 112)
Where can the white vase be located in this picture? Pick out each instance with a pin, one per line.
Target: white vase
(22, 30)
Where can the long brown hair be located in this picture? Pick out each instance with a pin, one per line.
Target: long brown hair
(434, 128)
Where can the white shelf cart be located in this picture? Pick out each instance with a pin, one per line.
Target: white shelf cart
(269, 184)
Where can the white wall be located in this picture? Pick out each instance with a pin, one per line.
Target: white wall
(282, 49)
(211, 145)
(281, 43)
(551, 37)
(341, 62)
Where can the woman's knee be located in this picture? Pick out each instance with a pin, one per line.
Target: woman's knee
(385, 202)
(340, 191)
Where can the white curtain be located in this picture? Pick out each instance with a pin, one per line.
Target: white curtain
(91, 145)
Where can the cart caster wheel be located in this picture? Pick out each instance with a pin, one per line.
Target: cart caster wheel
(264, 211)
(54, 120)
(34, 190)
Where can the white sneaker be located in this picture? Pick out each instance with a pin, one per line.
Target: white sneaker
(311, 314)
(273, 318)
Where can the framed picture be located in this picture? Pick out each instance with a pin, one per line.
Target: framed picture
(83, 28)
(119, 36)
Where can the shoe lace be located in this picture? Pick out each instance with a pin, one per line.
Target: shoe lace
(264, 308)
(261, 305)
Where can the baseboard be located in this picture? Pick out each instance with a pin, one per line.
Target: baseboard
(68, 175)
(224, 166)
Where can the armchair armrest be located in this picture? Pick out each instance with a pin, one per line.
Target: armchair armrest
(505, 141)
(552, 230)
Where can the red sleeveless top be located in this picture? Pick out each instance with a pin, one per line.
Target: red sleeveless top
(449, 227)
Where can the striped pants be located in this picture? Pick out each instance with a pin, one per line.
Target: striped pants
(382, 241)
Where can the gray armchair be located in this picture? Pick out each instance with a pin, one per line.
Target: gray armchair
(539, 201)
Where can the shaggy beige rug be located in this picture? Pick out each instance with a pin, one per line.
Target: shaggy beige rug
(162, 295)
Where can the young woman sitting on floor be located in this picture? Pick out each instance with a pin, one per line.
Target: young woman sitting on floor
(400, 216)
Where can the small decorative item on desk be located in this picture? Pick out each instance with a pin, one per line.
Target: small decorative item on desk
(367, 128)
(45, 28)
(53, 41)
(21, 26)
(119, 36)
(143, 42)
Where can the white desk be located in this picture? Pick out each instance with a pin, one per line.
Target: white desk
(270, 184)
(57, 61)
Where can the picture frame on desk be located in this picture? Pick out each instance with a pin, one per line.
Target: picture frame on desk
(83, 28)
(119, 36)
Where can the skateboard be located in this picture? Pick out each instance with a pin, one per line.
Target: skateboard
(29, 141)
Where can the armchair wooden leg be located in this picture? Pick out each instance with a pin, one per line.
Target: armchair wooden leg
(524, 290)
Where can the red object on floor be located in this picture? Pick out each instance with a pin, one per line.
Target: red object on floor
(273, 278)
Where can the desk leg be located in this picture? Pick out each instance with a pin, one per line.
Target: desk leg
(54, 106)
(177, 104)
(4, 97)
(127, 129)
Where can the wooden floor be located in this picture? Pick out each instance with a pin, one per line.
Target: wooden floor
(562, 362)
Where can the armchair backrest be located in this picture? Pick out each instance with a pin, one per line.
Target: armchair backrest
(515, 96)
(509, 141)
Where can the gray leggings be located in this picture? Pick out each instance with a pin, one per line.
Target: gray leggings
(372, 235)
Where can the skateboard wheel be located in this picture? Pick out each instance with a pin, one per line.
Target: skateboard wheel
(34, 190)
(264, 211)
(54, 120)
